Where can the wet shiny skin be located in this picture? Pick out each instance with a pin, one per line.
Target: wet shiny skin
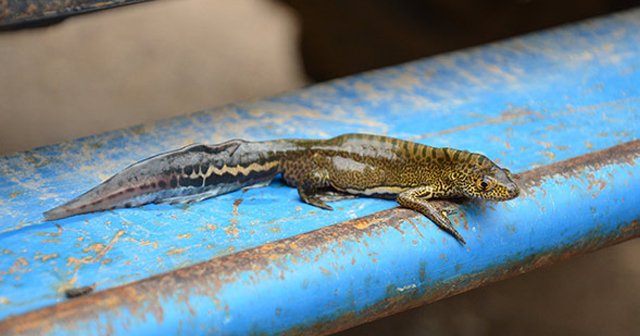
(322, 170)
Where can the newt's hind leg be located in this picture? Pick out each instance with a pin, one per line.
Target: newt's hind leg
(310, 188)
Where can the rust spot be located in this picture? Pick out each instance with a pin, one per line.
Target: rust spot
(236, 204)
(397, 227)
(415, 227)
(232, 230)
(361, 225)
(45, 257)
(143, 242)
(51, 234)
(107, 248)
(325, 271)
(465, 224)
(17, 267)
(184, 236)
(100, 249)
(95, 247)
(544, 144)
(550, 155)
(77, 262)
(177, 251)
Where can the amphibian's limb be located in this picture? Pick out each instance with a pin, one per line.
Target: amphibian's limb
(309, 188)
(418, 199)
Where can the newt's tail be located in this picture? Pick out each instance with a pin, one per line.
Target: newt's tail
(185, 175)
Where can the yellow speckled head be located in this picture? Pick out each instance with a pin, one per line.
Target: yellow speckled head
(488, 181)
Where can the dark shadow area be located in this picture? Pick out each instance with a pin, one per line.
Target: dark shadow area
(340, 38)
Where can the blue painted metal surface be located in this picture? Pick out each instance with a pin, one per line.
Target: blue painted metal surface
(527, 102)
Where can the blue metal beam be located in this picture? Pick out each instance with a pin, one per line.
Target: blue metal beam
(356, 271)
(261, 261)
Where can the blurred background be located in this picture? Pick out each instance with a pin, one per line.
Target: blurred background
(135, 64)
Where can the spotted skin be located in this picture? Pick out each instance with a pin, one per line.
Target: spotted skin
(322, 170)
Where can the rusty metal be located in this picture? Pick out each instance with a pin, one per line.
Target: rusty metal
(15, 14)
(131, 305)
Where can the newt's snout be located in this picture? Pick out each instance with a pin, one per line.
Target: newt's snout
(513, 190)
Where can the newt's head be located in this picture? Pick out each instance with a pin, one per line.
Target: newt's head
(487, 181)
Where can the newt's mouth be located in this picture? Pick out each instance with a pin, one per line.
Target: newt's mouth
(511, 191)
(504, 192)
(514, 190)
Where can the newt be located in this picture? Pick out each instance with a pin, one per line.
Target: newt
(342, 167)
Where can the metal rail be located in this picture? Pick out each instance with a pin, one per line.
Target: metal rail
(346, 274)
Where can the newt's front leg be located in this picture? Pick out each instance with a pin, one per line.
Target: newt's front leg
(417, 199)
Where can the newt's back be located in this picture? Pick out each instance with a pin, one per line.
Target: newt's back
(366, 164)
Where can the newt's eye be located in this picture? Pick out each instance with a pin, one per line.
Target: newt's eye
(485, 183)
